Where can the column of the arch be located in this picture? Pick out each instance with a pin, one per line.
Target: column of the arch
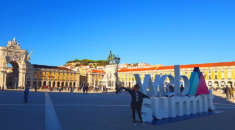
(68, 79)
(31, 78)
(47, 84)
(22, 75)
(1, 78)
(55, 80)
(38, 79)
(106, 81)
(21, 82)
(4, 79)
(55, 84)
(61, 78)
(74, 79)
(131, 81)
(77, 79)
(71, 79)
(65, 77)
(93, 79)
(42, 84)
(3, 67)
(50, 81)
(2, 73)
(98, 80)
(58, 79)
(47, 81)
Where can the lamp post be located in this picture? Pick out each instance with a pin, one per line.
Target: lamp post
(117, 61)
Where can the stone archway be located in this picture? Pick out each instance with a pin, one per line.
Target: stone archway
(16, 56)
(58, 84)
(53, 84)
(35, 85)
(223, 84)
(12, 76)
(230, 83)
(216, 84)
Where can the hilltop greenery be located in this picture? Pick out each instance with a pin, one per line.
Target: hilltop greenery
(87, 62)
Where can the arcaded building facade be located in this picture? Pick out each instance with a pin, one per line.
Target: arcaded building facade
(216, 74)
(53, 77)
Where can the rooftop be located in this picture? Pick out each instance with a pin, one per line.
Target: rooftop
(218, 64)
(49, 67)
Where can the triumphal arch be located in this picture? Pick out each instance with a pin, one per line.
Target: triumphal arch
(20, 71)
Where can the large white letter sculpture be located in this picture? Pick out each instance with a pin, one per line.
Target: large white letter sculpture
(157, 89)
(166, 104)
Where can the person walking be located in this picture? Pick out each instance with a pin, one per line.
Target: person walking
(26, 93)
(136, 101)
(181, 88)
(104, 89)
(227, 92)
(71, 89)
(84, 88)
(231, 89)
(35, 89)
(59, 88)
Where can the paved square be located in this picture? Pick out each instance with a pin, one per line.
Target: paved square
(93, 112)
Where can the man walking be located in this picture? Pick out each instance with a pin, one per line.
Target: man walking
(84, 88)
(227, 92)
(35, 89)
(136, 101)
(26, 93)
(231, 92)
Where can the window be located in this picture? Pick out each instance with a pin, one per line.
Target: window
(222, 75)
(229, 74)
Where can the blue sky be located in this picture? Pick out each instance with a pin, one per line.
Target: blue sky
(153, 31)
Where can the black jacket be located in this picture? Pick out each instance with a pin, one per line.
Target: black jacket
(135, 102)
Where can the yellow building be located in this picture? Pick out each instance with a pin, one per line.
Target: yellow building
(216, 74)
(54, 77)
(95, 78)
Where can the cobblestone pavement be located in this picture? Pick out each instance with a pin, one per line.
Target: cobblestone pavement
(93, 112)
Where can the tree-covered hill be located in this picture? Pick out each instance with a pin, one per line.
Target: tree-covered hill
(87, 62)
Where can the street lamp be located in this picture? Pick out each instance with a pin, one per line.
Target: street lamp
(117, 61)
